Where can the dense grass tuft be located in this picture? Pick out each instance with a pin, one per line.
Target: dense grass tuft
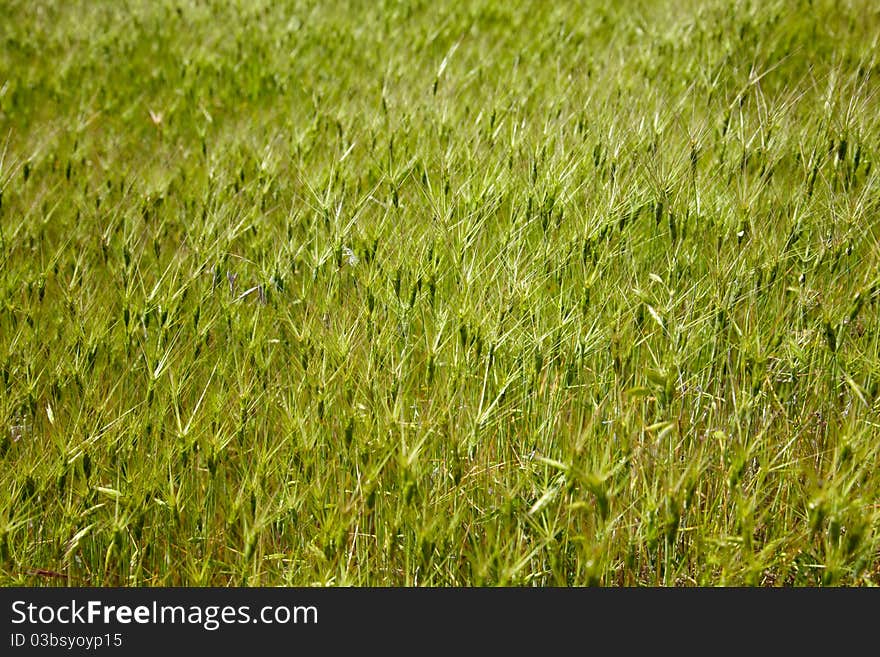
(439, 293)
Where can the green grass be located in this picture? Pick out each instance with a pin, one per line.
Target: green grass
(439, 293)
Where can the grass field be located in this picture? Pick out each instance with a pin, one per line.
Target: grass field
(439, 293)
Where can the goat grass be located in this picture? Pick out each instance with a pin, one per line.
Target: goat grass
(439, 293)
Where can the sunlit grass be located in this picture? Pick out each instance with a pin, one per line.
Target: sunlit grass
(426, 293)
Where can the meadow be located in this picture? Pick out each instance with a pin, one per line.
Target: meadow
(508, 293)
